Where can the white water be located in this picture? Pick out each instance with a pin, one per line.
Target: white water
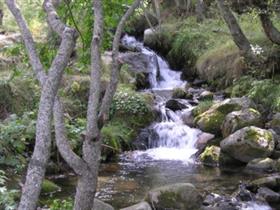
(175, 141)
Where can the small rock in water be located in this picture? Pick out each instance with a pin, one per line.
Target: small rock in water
(139, 206)
(268, 195)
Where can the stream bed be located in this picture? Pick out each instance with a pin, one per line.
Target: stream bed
(126, 182)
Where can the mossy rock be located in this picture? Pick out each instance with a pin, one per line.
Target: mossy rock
(181, 94)
(175, 196)
(240, 119)
(49, 187)
(202, 107)
(212, 119)
(210, 156)
(249, 143)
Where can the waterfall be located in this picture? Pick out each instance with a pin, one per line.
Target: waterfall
(172, 140)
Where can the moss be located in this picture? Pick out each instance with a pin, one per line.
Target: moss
(167, 199)
(210, 121)
(210, 156)
(180, 93)
(254, 134)
(203, 106)
(228, 107)
(49, 187)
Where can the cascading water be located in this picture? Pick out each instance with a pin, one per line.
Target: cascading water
(172, 140)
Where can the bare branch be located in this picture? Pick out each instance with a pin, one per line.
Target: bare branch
(111, 89)
(270, 30)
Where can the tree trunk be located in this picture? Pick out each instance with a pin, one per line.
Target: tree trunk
(41, 153)
(270, 30)
(200, 10)
(1, 17)
(237, 34)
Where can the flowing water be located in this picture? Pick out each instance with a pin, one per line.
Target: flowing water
(169, 156)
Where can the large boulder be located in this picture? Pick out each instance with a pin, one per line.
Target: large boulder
(248, 143)
(240, 119)
(138, 62)
(212, 119)
(182, 196)
(139, 206)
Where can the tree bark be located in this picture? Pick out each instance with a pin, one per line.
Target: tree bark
(87, 182)
(237, 34)
(41, 153)
(200, 10)
(270, 30)
(112, 87)
(1, 16)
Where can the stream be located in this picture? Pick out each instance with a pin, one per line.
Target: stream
(168, 158)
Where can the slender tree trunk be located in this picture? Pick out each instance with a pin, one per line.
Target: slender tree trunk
(200, 10)
(1, 16)
(237, 34)
(270, 30)
(41, 153)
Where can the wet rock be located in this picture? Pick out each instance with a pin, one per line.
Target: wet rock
(188, 118)
(262, 164)
(150, 36)
(227, 161)
(240, 119)
(272, 182)
(181, 94)
(182, 196)
(175, 105)
(142, 81)
(138, 62)
(211, 120)
(139, 206)
(210, 156)
(203, 140)
(206, 95)
(268, 195)
(248, 143)
(243, 194)
(100, 205)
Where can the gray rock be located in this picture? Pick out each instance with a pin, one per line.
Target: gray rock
(272, 182)
(139, 206)
(262, 164)
(268, 195)
(275, 123)
(175, 105)
(248, 143)
(100, 205)
(182, 196)
(188, 118)
(240, 119)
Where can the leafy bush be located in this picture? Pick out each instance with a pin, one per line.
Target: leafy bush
(128, 103)
(266, 93)
(58, 204)
(16, 133)
(7, 197)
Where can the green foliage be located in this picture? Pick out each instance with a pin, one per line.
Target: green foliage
(58, 204)
(7, 197)
(128, 103)
(265, 93)
(16, 133)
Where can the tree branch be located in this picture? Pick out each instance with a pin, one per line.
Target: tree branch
(111, 89)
